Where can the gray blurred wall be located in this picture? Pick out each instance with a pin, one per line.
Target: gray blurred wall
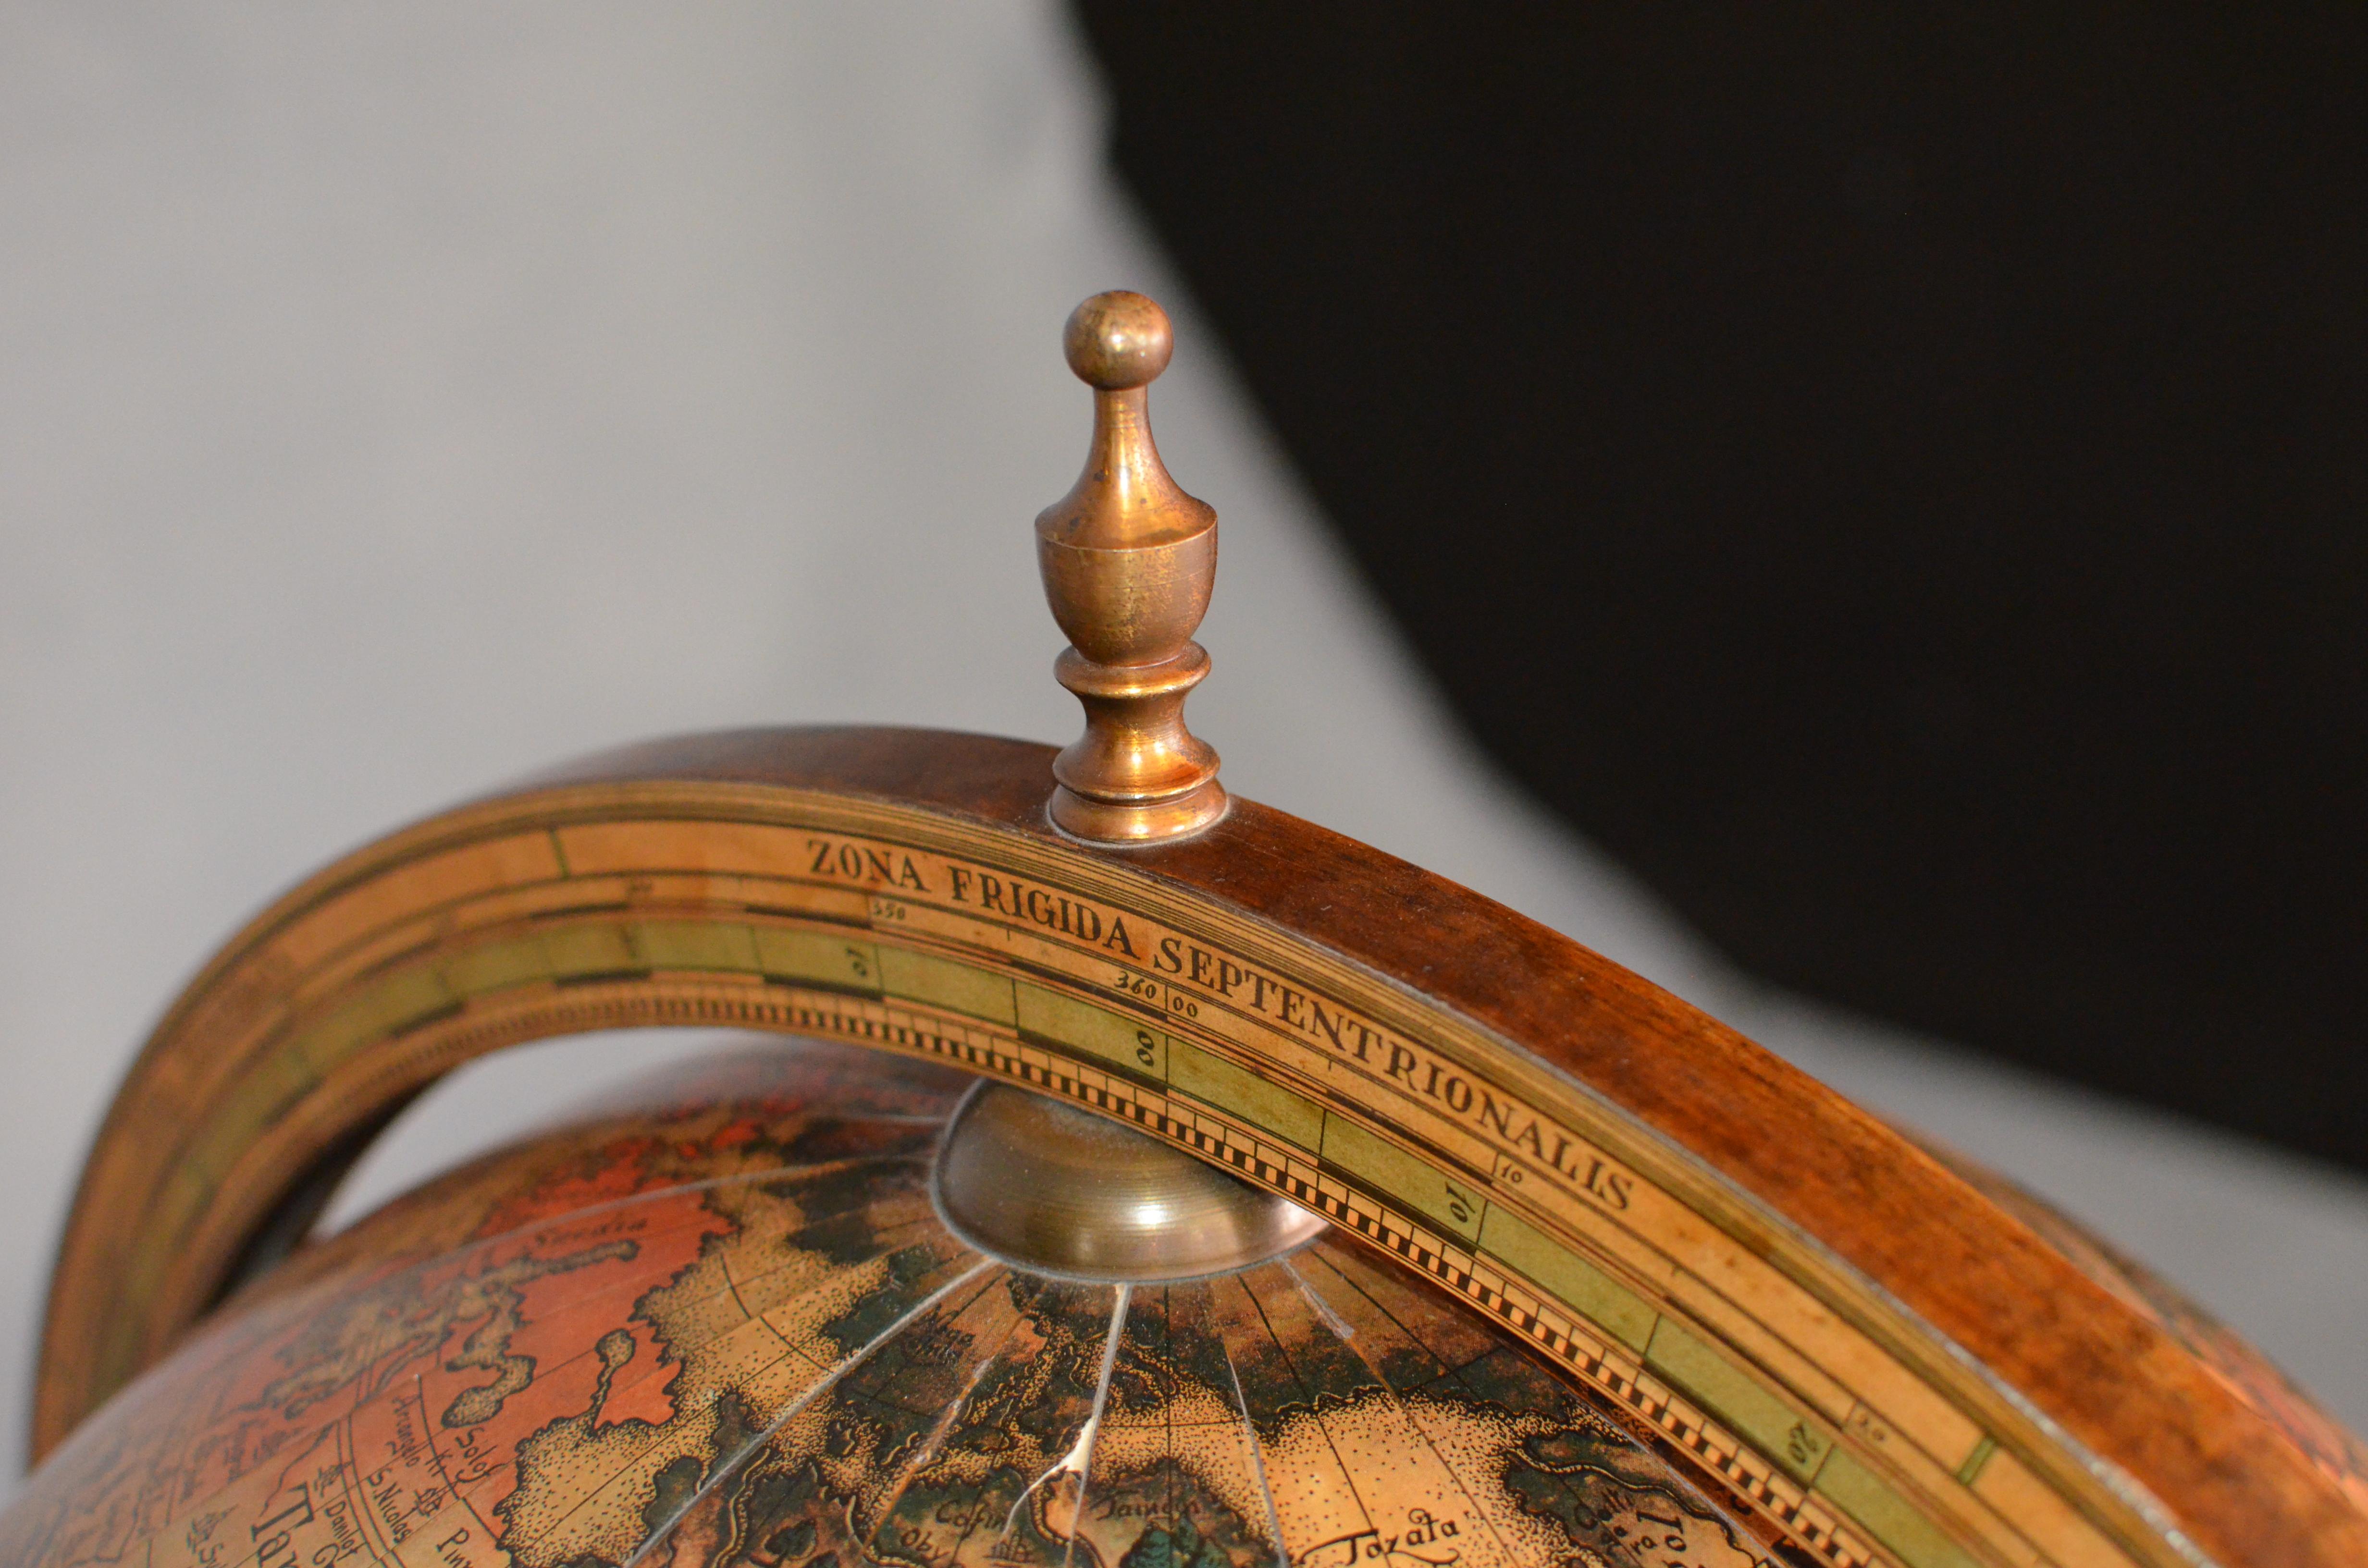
(396, 399)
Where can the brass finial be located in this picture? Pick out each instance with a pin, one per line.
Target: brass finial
(1128, 560)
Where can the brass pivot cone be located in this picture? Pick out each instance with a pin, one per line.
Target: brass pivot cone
(1055, 1189)
(1128, 560)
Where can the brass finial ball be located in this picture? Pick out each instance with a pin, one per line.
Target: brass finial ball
(1118, 340)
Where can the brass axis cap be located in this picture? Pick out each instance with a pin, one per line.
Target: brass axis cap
(1053, 1188)
(1128, 560)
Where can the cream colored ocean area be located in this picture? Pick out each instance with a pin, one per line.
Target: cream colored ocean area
(1438, 1499)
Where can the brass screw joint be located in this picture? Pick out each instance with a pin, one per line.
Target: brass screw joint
(1128, 562)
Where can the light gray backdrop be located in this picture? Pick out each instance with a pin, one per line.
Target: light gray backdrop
(396, 399)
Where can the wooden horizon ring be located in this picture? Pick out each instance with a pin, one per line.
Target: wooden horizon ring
(834, 882)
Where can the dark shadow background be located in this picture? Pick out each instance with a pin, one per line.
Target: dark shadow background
(1893, 476)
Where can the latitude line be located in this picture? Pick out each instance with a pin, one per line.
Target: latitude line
(428, 1435)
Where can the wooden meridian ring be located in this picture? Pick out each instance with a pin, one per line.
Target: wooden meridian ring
(1845, 1335)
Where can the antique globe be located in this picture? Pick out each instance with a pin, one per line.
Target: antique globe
(742, 1321)
(1118, 1174)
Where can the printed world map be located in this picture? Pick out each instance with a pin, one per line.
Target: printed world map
(732, 1330)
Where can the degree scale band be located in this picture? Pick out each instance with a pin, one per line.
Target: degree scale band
(1756, 1357)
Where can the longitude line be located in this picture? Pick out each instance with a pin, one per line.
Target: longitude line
(1257, 1457)
(1406, 1410)
(928, 1452)
(725, 1470)
(1446, 1367)
(1332, 1320)
(1167, 1406)
(1315, 1409)
(1094, 1421)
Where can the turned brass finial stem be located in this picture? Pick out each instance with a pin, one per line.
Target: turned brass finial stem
(1128, 562)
